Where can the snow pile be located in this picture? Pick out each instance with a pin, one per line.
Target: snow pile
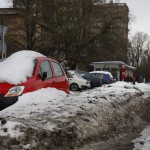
(143, 142)
(11, 129)
(62, 104)
(33, 102)
(52, 110)
(16, 68)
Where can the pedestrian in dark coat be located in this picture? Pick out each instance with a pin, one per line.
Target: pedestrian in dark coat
(64, 65)
(140, 79)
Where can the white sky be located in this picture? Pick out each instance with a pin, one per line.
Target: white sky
(139, 8)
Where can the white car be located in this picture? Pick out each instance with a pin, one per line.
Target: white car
(76, 82)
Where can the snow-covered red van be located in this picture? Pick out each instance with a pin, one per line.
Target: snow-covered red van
(27, 71)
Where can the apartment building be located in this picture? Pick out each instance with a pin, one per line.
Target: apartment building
(111, 18)
(88, 19)
(8, 18)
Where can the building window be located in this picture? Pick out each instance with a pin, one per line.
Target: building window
(97, 69)
(106, 69)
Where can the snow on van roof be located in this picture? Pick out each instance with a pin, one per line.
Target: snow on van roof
(16, 68)
(102, 72)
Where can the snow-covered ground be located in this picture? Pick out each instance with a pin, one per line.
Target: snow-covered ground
(143, 142)
(89, 113)
(59, 105)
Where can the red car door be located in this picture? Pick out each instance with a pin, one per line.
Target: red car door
(38, 81)
(60, 78)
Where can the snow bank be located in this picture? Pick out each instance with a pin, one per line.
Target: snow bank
(143, 142)
(79, 114)
(61, 104)
(16, 68)
(11, 129)
(33, 102)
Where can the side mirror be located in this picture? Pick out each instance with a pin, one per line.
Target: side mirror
(44, 76)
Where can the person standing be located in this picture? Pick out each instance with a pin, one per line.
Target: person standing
(64, 65)
(140, 79)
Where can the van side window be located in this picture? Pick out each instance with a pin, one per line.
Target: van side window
(57, 69)
(45, 67)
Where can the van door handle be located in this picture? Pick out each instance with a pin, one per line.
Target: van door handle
(54, 82)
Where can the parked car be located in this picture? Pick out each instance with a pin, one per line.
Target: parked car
(94, 81)
(27, 71)
(76, 81)
(140, 79)
(105, 76)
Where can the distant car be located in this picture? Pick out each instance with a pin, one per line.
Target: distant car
(27, 71)
(105, 76)
(94, 81)
(140, 79)
(77, 82)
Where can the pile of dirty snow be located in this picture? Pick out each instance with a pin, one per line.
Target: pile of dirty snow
(78, 114)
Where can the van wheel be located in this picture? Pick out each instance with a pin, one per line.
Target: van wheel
(74, 87)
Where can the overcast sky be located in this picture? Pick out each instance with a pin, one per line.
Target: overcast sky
(140, 9)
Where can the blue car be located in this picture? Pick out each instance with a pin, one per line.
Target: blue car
(104, 76)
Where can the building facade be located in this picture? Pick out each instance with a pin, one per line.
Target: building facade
(70, 25)
(8, 18)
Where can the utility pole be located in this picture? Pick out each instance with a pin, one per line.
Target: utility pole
(3, 30)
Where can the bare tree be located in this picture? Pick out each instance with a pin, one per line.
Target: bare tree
(67, 29)
(111, 36)
(26, 33)
(70, 30)
(138, 47)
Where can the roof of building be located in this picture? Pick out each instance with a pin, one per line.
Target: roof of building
(114, 62)
(8, 11)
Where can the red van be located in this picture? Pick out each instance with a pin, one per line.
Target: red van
(46, 72)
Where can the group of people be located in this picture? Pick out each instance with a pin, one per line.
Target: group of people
(132, 79)
(129, 78)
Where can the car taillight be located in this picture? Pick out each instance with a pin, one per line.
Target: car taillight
(110, 81)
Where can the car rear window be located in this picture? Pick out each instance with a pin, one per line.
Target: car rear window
(57, 69)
